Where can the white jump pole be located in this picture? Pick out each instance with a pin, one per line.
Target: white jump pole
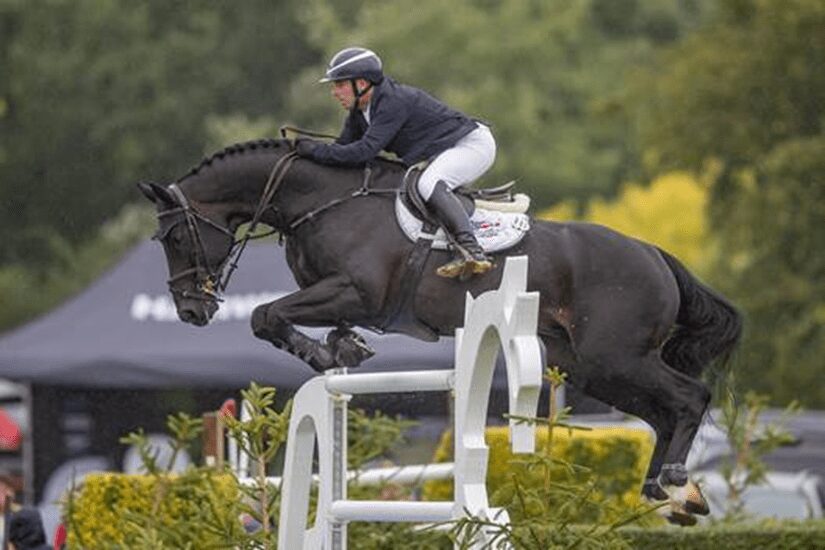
(503, 319)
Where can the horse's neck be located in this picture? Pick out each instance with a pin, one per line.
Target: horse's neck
(232, 191)
(309, 186)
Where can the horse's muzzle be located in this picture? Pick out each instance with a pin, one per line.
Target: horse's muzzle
(197, 313)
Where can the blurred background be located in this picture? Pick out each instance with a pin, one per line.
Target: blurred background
(693, 124)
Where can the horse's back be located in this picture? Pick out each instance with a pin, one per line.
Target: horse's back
(598, 279)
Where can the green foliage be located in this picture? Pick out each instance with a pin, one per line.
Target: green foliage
(552, 500)
(776, 270)
(29, 290)
(746, 93)
(106, 92)
(196, 509)
(776, 535)
(260, 438)
(670, 212)
(203, 506)
(96, 95)
(734, 90)
(369, 437)
(578, 476)
(750, 442)
(548, 75)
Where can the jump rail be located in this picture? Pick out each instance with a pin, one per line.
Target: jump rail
(504, 319)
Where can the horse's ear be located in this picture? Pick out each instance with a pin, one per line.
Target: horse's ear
(157, 193)
(147, 191)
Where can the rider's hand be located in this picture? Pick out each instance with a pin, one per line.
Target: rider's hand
(305, 147)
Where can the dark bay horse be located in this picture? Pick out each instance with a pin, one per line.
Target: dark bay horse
(627, 321)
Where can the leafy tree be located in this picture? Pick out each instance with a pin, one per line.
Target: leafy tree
(747, 92)
(548, 75)
(98, 94)
(776, 269)
(102, 93)
(669, 212)
(734, 90)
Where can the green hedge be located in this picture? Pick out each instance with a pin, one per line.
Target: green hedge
(617, 456)
(773, 535)
(109, 509)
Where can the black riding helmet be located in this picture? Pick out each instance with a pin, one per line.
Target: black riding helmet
(354, 63)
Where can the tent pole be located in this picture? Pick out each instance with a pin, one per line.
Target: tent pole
(28, 447)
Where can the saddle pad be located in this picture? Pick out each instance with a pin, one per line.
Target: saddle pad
(494, 230)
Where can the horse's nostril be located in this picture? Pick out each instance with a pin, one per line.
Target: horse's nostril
(187, 315)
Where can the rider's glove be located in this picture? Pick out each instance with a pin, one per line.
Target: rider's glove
(306, 147)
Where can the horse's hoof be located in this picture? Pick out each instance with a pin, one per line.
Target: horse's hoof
(695, 502)
(689, 497)
(673, 512)
(348, 348)
(681, 518)
(320, 359)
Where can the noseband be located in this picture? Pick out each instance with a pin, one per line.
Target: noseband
(210, 282)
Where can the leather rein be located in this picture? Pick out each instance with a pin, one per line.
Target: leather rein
(213, 281)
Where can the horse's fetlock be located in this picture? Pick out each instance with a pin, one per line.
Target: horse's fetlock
(653, 491)
(673, 474)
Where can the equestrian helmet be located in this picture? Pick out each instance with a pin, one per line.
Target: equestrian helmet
(352, 63)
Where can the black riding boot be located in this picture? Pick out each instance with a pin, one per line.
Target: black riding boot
(470, 258)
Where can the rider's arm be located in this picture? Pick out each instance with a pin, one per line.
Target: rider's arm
(351, 131)
(387, 120)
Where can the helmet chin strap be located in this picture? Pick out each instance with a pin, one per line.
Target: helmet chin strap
(358, 94)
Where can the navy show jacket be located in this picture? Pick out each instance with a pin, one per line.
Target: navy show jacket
(403, 120)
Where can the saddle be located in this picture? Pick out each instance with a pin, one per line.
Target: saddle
(497, 215)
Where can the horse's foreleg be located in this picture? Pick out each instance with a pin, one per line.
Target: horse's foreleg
(330, 302)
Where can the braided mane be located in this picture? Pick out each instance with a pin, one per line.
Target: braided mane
(231, 150)
(389, 164)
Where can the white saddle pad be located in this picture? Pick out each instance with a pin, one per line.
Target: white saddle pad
(494, 230)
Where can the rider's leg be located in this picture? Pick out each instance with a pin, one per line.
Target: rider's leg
(452, 215)
(460, 165)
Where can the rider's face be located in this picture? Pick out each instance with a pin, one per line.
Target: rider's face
(342, 92)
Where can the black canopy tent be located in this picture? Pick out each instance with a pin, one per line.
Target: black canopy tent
(123, 332)
(115, 357)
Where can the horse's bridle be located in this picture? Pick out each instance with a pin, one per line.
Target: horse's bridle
(210, 281)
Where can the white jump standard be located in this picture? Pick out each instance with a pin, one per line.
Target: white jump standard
(504, 319)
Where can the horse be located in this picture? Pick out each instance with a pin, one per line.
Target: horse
(625, 320)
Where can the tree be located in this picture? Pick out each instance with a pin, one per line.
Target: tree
(103, 93)
(548, 75)
(669, 212)
(96, 95)
(747, 92)
(776, 269)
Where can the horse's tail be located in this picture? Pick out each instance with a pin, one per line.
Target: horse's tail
(708, 327)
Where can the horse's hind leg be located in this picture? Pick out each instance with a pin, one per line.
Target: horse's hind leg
(631, 400)
(673, 404)
(330, 302)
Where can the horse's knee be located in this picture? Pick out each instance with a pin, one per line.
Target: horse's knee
(258, 320)
(267, 324)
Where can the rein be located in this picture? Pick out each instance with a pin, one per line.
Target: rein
(215, 281)
(362, 191)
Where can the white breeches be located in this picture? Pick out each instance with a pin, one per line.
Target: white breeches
(462, 164)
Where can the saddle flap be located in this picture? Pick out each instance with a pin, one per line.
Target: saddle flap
(494, 229)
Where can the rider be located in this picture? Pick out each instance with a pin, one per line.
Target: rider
(386, 115)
